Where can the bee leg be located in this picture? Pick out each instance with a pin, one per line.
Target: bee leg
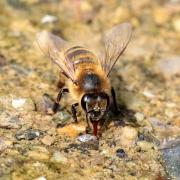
(73, 110)
(88, 128)
(59, 96)
(115, 105)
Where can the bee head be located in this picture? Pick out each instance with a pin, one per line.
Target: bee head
(95, 105)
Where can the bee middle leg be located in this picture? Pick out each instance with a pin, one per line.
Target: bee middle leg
(58, 98)
(74, 112)
(115, 105)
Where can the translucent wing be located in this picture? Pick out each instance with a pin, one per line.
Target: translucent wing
(115, 42)
(54, 47)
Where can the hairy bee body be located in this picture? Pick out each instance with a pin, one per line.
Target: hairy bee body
(87, 76)
(90, 76)
(79, 55)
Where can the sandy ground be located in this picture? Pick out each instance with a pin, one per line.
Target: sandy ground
(36, 144)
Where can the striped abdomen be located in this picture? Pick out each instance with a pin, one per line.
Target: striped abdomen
(80, 55)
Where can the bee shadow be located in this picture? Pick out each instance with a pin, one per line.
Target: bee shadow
(124, 116)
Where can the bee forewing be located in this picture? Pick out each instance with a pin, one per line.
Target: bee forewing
(54, 47)
(115, 42)
(49, 42)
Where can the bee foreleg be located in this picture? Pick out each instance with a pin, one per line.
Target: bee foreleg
(58, 98)
(88, 128)
(115, 105)
(74, 112)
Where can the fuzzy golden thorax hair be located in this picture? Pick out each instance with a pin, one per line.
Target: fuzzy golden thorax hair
(91, 79)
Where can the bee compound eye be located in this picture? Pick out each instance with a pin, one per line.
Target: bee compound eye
(83, 102)
(86, 101)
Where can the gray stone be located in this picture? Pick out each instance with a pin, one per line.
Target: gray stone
(171, 156)
(9, 121)
(169, 66)
(86, 138)
(28, 134)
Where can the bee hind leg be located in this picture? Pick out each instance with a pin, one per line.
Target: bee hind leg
(115, 105)
(58, 98)
(74, 112)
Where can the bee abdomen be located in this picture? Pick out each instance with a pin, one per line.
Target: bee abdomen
(78, 55)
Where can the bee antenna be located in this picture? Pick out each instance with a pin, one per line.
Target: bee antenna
(75, 82)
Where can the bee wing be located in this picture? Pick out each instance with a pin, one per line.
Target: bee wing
(54, 48)
(115, 42)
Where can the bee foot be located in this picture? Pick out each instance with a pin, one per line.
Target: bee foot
(88, 130)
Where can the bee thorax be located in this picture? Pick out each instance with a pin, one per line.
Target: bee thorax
(90, 82)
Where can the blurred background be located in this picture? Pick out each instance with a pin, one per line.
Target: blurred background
(146, 79)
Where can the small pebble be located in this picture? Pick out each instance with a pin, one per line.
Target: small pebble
(142, 136)
(128, 136)
(23, 104)
(139, 116)
(60, 118)
(47, 140)
(86, 6)
(148, 94)
(28, 134)
(40, 178)
(121, 14)
(4, 143)
(58, 157)
(71, 130)
(161, 15)
(86, 138)
(169, 113)
(170, 105)
(17, 103)
(169, 66)
(145, 146)
(38, 153)
(9, 121)
(48, 19)
(176, 24)
(121, 153)
(44, 104)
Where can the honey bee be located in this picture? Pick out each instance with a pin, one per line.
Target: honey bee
(87, 74)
